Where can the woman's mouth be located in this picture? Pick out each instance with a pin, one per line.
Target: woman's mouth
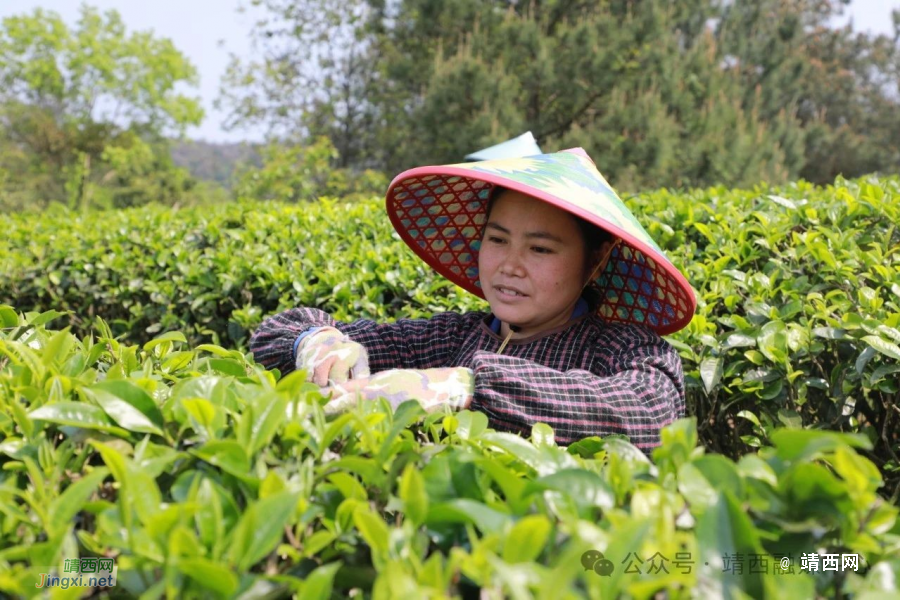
(506, 292)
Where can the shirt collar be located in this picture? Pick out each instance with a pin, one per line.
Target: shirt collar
(581, 308)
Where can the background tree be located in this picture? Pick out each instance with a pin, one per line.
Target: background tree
(84, 111)
(314, 71)
(843, 86)
(297, 173)
(660, 93)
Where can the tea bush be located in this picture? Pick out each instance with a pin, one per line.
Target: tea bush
(799, 307)
(798, 289)
(202, 475)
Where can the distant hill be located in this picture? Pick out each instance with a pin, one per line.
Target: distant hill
(213, 161)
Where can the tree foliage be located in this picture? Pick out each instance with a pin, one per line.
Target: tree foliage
(84, 111)
(660, 93)
(312, 77)
(295, 173)
(214, 162)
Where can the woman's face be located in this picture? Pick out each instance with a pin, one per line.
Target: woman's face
(531, 264)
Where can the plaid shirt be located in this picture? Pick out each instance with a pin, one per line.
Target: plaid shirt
(584, 378)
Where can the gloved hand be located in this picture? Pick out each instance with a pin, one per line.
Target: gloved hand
(433, 388)
(330, 357)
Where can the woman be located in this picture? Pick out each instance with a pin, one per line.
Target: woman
(579, 296)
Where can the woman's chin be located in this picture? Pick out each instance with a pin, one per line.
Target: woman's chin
(510, 317)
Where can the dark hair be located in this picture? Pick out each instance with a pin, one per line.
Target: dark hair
(593, 237)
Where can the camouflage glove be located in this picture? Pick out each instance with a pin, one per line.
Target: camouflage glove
(331, 357)
(432, 388)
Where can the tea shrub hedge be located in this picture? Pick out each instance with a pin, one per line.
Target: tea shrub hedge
(202, 475)
(798, 322)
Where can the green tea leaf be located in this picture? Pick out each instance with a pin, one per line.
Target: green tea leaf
(46, 316)
(746, 414)
(57, 348)
(585, 488)
(228, 455)
(210, 517)
(21, 418)
(8, 316)
(176, 361)
(738, 340)
(412, 492)
(374, 532)
(114, 460)
(804, 444)
(217, 350)
(224, 366)
(209, 574)
(348, 486)
(471, 424)
(207, 416)
(319, 583)
(71, 501)
(317, 541)
(510, 483)
(711, 373)
(464, 510)
(142, 492)
(77, 414)
(128, 405)
(724, 530)
(260, 529)
(171, 336)
(886, 348)
(527, 539)
(542, 435)
(517, 447)
(267, 415)
(721, 473)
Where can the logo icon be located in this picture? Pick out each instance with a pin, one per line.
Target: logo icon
(594, 560)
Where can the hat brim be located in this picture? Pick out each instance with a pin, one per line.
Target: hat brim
(440, 212)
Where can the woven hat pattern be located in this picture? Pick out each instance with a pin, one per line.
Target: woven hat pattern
(440, 213)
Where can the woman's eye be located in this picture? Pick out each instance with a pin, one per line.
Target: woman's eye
(541, 250)
(495, 240)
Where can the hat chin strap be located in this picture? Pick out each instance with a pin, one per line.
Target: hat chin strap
(602, 264)
(512, 329)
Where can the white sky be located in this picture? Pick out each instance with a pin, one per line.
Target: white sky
(206, 31)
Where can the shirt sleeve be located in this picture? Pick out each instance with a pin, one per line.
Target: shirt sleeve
(403, 344)
(635, 388)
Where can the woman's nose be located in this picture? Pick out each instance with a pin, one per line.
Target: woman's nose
(512, 264)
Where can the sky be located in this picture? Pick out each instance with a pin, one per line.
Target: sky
(207, 31)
